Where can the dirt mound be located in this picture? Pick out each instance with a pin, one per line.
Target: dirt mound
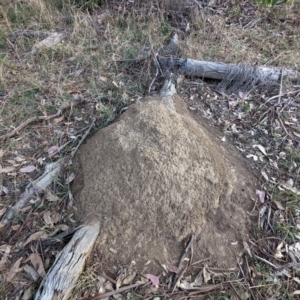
(154, 178)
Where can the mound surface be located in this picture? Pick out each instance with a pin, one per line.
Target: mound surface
(154, 178)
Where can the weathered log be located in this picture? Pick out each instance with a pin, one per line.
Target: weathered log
(63, 275)
(34, 188)
(219, 70)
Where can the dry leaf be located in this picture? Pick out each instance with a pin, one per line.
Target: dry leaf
(278, 253)
(15, 227)
(32, 272)
(51, 197)
(47, 218)
(14, 270)
(261, 195)
(6, 170)
(129, 278)
(296, 279)
(55, 217)
(171, 267)
(52, 150)
(58, 120)
(261, 148)
(70, 178)
(36, 236)
(102, 78)
(19, 159)
(12, 162)
(5, 250)
(3, 190)
(278, 204)
(255, 158)
(264, 174)
(119, 281)
(28, 294)
(154, 279)
(185, 285)
(27, 169)
(296, 292)
(37, 263)
(242, 95)
(206, 276)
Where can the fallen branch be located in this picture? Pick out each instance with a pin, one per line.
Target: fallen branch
(238, 75)
(63, 275)
(115, 292)
(84, 136)
(52, 40)
(176, 275)
(34, 188)
(218, 70)
(28, 33)
(40, 118)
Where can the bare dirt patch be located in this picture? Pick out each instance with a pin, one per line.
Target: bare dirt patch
(154, 178)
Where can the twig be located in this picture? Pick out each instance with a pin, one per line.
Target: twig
(280, 89)
(266, 261)
(156, 63)
(289, 265)
(155, 56)
(153, 80)
(234, 291)
(281, 123)
(121, 290)
(40, 118)
(67, 143)
(108, 278)
(28, 33)
(277, 268)
(249, 277)
(84, 136)
(279, 95)
(182, 259)
(211, 287)
(178, 279)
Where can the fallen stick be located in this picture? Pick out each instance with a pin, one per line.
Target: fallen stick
(120, 290)
(59, 282)
(28, 33)
(34, 188)
(219, 70)
(40, 118)
(84, 136)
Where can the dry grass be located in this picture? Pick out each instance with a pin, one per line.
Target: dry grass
(86, 66)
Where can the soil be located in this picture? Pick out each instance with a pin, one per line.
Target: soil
(157, 176)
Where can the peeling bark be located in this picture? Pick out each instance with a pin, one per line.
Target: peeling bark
(63, 275)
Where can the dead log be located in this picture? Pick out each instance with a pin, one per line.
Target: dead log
(34, 189)
(219, 70)
(63, 275)
(244, 75)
